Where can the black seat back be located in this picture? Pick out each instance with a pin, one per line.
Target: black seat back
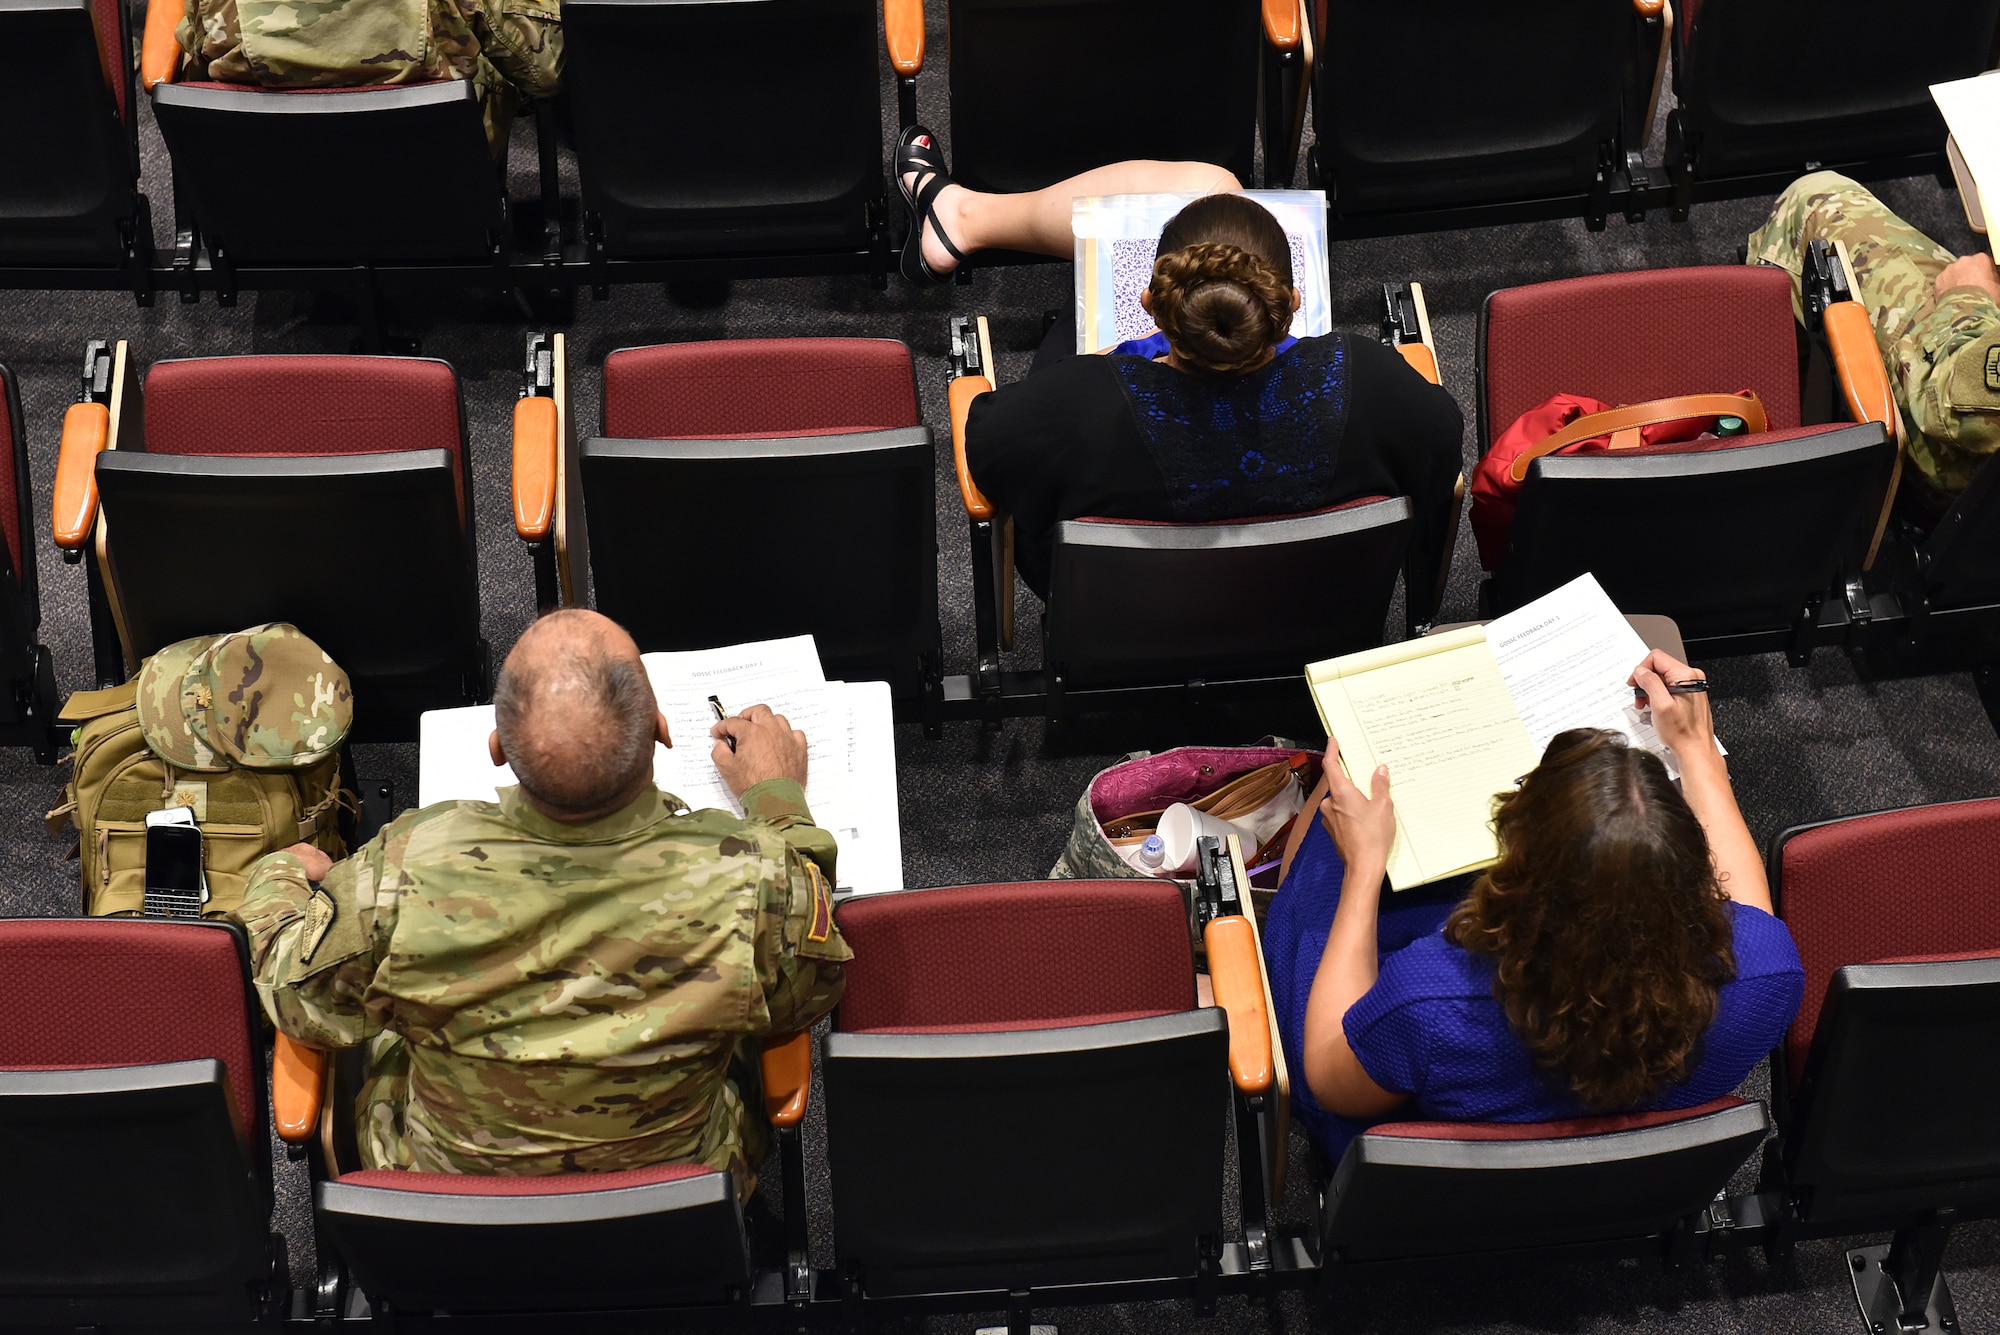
(640, 77)
(1177, 80)
(132, 1119)
(1444, 1189)
(638, 1238)
(327, 161)
(1140, 604)
(1480, 132)
(1776, 522)
(853, 562)
(69, 173)
(1029, 1202)
(1755, 95)
(367, 553)
(27, 674)
(1862, 1153)
(1961, 558)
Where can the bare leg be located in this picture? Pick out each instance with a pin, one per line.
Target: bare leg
(1038, 221)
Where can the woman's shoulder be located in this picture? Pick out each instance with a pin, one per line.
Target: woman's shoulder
(1762, 944)
(1431, 969)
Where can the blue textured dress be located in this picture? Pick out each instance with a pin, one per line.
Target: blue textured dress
(1432, 1028)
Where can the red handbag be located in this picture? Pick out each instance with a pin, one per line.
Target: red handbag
(1573, 424)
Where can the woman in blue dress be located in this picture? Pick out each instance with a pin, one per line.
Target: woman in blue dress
(1621, 955)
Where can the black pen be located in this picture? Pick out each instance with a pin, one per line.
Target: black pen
(1697, 686)
(720, 715)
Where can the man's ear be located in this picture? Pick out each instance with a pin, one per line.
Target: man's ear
(660, 732)
(493, 747)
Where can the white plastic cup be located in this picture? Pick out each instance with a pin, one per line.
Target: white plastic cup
(1180, 825)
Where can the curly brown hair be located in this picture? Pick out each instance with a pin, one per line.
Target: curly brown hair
(1606, 922)
(1222, 284)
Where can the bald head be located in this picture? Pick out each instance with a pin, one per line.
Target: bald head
(575, 715)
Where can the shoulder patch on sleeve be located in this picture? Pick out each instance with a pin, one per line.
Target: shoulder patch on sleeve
(819, 926)
(1974, 383)
(320, 914)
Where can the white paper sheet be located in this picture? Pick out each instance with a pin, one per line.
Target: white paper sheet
(1971, 110)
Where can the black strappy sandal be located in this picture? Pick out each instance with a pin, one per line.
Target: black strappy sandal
(927, 161)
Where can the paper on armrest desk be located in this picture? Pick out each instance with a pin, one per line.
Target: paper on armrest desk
(850, 763)
(1459, 717)
(1971, 109)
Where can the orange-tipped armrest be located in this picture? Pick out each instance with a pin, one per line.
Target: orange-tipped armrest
(1420, 356)
(1238, 979)
(1858, 362)
(963, 391)
(73, 515)
(1648, 9)
(903, 30)
(534, 468)
(788, 1066)
(298, 1074)
(160, 52)
(1281, 23)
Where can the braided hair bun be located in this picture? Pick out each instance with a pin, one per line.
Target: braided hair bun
(1222, 285)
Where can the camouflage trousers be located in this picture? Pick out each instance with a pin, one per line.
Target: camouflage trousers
(1942, 350)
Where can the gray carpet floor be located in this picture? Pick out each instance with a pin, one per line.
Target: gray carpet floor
(1807, 743)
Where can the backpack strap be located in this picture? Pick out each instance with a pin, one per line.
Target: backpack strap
(83, 706)
(1623, 424)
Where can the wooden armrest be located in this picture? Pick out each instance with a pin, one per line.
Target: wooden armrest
(1282, 22)
(73, 514)
(535, 427)
(298, 1077)
(160, 51)
(903, 31)
(963, 391)
(1857, 361)
(1238, 978)
(1420, 356)
(787, 1078)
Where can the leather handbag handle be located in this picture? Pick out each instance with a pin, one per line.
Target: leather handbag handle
(1623, 424)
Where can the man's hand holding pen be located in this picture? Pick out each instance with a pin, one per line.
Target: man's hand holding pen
(755, 745)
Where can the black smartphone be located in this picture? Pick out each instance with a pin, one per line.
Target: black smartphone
(173, 871)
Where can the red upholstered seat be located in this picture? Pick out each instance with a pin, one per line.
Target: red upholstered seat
(259, 88)
(122, 992)
(1631, 337)
(559, 1184)
(1896, 886)
(1251, 519)
(105, 17)
(1026, 955)
(1559, 1130)
(759, 387)
(301, 406)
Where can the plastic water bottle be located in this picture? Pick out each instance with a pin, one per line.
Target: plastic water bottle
(1153, 855)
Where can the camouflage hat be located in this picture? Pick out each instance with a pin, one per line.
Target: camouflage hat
(269, 698)
(265, 698)
(166, 711)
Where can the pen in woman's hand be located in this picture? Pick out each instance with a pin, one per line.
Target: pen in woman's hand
(1697, 686)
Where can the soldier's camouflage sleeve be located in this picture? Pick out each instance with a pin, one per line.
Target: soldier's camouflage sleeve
(313, 952)
(801, 956)
(523, 39)
(1950, 385)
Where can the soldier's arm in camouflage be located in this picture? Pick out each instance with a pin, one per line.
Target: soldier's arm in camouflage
(800, 954)
(311, 973)
(523, 39)
(1953, 393)
(204, 36)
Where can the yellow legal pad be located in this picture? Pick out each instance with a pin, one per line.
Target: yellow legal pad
(1437, 712)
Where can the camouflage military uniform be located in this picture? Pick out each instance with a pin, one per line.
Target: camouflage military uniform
(1942, 350)
(541, 997)
(504, 48)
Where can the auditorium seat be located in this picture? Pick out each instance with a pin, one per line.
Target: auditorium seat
(1748, 123)
(1886, 1086)
(664, 178)
(69, 199)
(1491, 138)
(775, 486)
(138, 1180)
(330, 492)
(1600, 1187)
(1117, 625)
(1040, 92)
(27, 672)
(1781, 514)
(1043, 1040)
(325, 162)
(668, 1236)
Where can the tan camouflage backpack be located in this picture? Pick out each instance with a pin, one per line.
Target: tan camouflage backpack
(244, 729)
